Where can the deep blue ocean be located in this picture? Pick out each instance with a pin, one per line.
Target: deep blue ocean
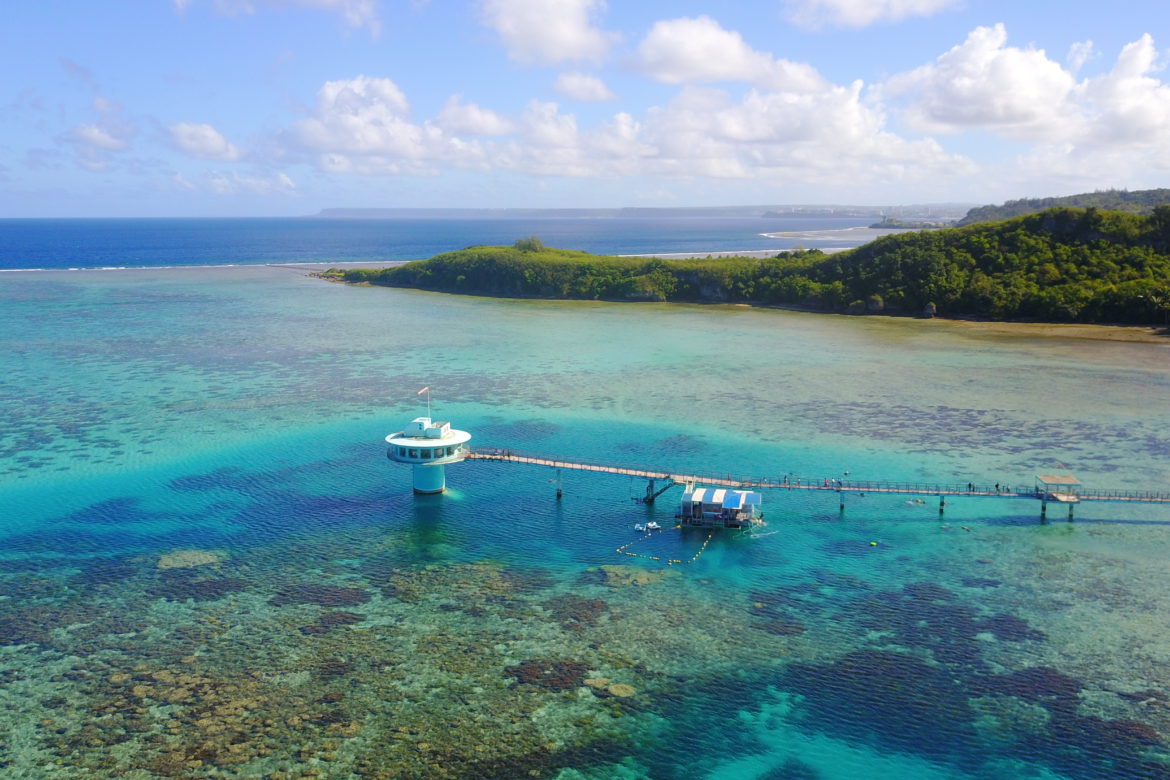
(210, 569)
(137, 243)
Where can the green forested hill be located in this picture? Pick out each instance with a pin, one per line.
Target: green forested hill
(1060, 265)
(1136, 202)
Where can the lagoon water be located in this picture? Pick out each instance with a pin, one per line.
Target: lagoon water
(209, 568)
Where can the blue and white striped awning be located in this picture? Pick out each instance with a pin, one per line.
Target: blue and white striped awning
(722, 497)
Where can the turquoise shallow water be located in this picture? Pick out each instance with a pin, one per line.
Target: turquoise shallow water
(210, 568)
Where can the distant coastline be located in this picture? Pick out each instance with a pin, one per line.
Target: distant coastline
(1062, 265)
(932, 211)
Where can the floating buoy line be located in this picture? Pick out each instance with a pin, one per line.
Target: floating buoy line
(624, 549)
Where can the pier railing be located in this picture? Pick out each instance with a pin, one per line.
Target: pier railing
(793, 482)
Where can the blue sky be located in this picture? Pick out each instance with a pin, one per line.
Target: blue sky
(284, 107)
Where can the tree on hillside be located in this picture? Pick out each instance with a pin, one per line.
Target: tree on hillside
(529, 244)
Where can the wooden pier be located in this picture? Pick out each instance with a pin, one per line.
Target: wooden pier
(1062, 489)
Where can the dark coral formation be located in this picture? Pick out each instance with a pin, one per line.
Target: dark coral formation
(1009, 628)
(927, 591)
(528, 579)
(575, 612)
(782, 627)
(330, 620)
(183, 588)
(927, 615)
(24, 630)
(323, 595)
(1036, 684)
(792, 769)
(897, 697)
(105, 571)
(551, 674)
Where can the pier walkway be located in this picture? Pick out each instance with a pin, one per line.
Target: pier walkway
(1065, 490)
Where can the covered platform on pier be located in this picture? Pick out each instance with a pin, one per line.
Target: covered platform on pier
(1062, 488)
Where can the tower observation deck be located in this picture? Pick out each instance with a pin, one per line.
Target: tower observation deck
(428, 446)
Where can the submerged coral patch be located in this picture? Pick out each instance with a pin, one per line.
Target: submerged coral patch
(181, 589)
(575, 611)
(552, 674)
(928, 591)
(907, 703)
(23, 630)
(622, 575)
(105, 571)
(1036, 683)
(330, 620)
(323, 595)
(782, 627)
(186, 559)
(520, 430)
(1010, 628)
(791, 769)
(527, 579)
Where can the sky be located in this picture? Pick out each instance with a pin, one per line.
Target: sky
(284, 107)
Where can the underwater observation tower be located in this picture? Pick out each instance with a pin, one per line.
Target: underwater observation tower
(428, 446)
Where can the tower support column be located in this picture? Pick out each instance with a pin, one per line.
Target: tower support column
(429, 478)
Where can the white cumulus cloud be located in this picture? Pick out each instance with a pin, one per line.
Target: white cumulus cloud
(203, 141)
(97, 143)
(699, 50)
(96, 137)
(985, 83)
(362, 125)
(544, 32)
(829, 135)
(861, 13)
(471, 119)
(1107, 129)
(1080, 53)
(234, 183)
(583, 87)
(1129, 106)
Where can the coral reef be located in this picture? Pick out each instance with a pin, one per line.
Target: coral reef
(186, 559)
(552, 674)
(898, 697)
(621, 575)
(323, 595)
(575, 612)
(330, 620)
(199, 589)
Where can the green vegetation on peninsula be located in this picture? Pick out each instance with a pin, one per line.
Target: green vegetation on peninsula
(1136, 202)
(1059, 265)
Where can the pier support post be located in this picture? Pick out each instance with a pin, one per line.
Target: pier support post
(1070, 508)
(560, 486)
(1043, 509)
(841, 501)
(942, 505)
(649, 492)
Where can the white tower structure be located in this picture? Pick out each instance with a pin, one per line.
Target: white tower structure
(428, 446)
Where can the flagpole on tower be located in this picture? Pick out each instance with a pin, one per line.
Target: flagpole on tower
(427, 390)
